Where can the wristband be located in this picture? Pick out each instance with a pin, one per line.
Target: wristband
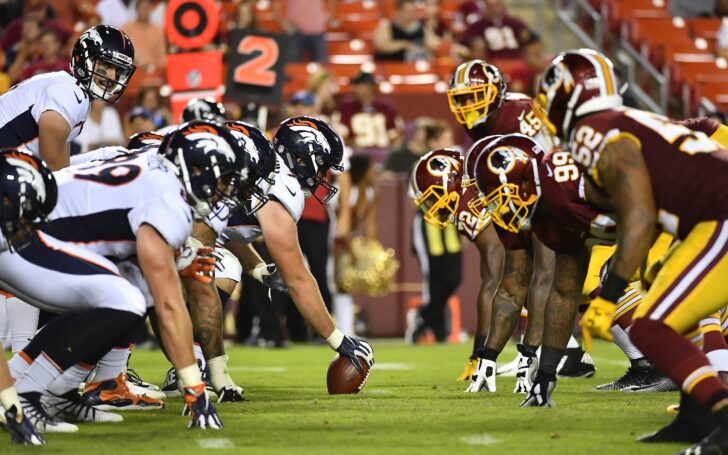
(335, 339)
(259, 271)
(613, 287)
(9, 398)
(189, 376)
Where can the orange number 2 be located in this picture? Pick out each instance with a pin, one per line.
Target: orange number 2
(257, 71)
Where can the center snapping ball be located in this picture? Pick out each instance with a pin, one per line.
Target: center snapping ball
(343, 377)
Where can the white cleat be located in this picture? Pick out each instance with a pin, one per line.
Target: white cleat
(70, 407)
(34, 411)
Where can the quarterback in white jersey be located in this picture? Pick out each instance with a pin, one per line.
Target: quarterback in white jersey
(44, 113)
(141, 205)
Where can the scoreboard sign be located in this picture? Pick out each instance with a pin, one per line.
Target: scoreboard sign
(191, 24)
(256, 67)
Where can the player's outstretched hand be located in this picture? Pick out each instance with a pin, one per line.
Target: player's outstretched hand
(540, 393)
(483, 379)
(231, 394)
(22, 432)
(526, 370)
(354, 348)
(198, 407)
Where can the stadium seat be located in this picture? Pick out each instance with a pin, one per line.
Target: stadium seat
(706, 27)
(350, 47)
(360, 26)
(364, 7)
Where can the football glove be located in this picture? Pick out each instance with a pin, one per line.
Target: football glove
(470, 367)
(597, 321)
(22, 432)
(198, 406)
(354, 348)
(540, 393)
(269, 276)
(483, 379)
(202, 267)
(527, 369)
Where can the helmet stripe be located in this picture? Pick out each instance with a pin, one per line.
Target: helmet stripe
(610, 83)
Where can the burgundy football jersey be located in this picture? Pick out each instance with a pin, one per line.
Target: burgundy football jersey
(687, 170)
(369, 126)
(504, 39)
(515, 115)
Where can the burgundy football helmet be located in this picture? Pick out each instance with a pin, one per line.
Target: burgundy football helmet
(476, 91)
(471, 157)
(436, 185)
(577, 82)
(507, 177)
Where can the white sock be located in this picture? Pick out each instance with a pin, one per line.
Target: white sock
(23, 322)
(572, 343)
(38, 376)
(344, 313)
(718, 359)
(4, 323)
(621, 339)
(69, 380)
(112, 364)
(197, 350)
(18, 365)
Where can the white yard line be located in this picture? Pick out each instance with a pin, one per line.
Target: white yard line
(259, 369)
(479, 440)
(393, 366)
(215, 443)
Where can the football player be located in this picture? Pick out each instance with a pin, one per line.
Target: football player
(307, 148)
(657, 175)
(479, 100)
(138, 205)
(22, 198)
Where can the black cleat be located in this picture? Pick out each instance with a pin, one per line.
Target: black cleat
(690, 425)
(642, 376)
(714, 444)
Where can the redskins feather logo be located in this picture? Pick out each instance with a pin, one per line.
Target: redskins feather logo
(442, 165)
(503, 159)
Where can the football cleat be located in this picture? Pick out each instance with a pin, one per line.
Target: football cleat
(576, 364)
(483, 379)
(664, 384)
(691, 424)
(139, 387)
(470, 367)
(70, 407)
(540, 393)
(37, 415)
(641, 374)
(508, 369)
(114, 395)
(415, 326)
(715, 443)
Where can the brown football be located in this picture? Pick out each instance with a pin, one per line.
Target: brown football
(343, 377)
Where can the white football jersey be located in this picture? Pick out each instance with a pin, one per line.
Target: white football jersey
(102, 204)
(101, 154)
(22, 106)
(246, 228)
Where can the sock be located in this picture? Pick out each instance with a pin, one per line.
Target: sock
(678, 358)
(112, 364)
(550, 358)
(70, 379)
(489, 354)
(523, 320)
(19, 364)
(621, 339)
(478, 344)
(573, 343)
(39, 375)
(344, 312)
(4, 323)
(712, 336)
(197, 350)
(23, 320)
(626, 306)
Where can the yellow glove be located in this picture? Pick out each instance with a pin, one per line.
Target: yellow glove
(597, 320)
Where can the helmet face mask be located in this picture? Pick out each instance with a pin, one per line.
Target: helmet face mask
(103, 62)
(436, 184)
(471, 157)
(476, 91)
(438, 205)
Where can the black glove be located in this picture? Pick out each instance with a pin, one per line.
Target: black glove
(540, 394)
(355, 348)
(23, 432)
(274, 280)
(197, 404)
(230, 394)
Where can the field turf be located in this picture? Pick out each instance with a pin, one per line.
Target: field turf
(411, 404)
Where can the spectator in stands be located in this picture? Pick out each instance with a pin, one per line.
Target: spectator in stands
(69, 12)
(50, 56)
(302, 103)
(469, 12)
(497, 35)
(404, 158)
(721, 44)
(698, 8)
(150, 45)
(149, 99)
(306, 21)
(244, 19)
(370, 122)
(404, 38)
(139, 120)
(438, 135)
(102, 128)
(38, 11)
(116, 13)
(25, 49)
(323, 86)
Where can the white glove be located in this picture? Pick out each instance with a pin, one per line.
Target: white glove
(187, 253)
(526, 370)
(483, 378)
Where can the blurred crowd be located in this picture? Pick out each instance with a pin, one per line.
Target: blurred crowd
(36, 37)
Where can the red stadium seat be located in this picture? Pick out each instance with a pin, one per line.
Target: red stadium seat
(350, 47)
(360, 26)
(364, 7)
(620, 11)
(706, 27)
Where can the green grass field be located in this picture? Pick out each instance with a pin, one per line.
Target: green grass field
(411, 404)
